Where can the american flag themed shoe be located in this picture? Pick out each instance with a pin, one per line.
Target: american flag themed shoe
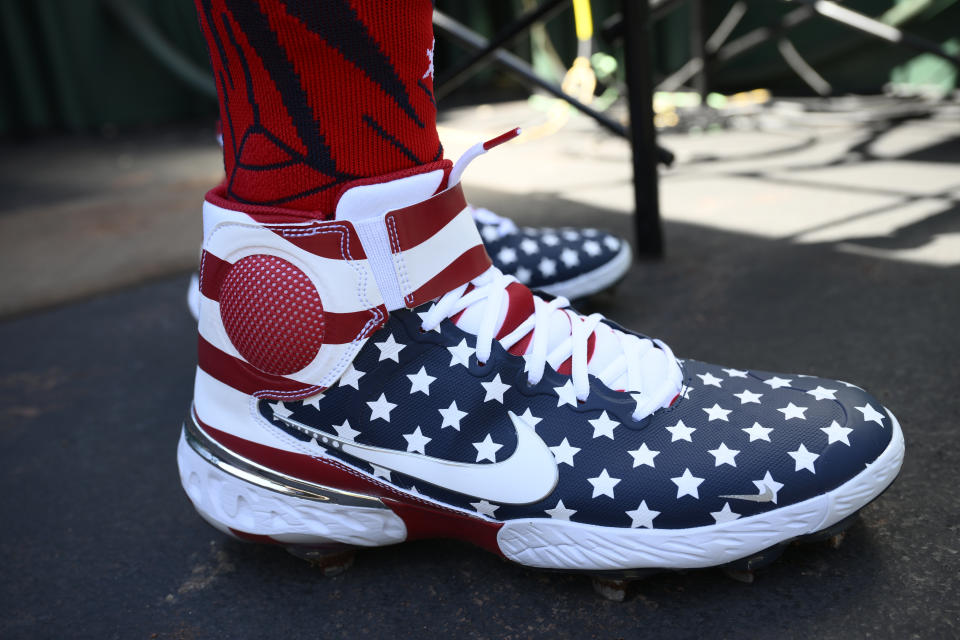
(569, 262)
(373, 378)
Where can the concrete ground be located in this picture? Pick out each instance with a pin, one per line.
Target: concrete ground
(818, 244)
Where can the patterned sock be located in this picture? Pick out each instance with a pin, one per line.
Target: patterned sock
(316, 93)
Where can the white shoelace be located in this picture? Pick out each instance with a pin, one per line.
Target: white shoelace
(637, 356)
(504, 226)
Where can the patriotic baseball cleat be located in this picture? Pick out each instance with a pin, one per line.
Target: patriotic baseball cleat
(372, 378)
(569, 262)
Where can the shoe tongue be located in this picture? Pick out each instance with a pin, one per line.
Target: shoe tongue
(371, 197)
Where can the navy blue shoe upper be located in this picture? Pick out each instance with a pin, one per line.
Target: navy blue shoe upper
(539, 257)
(733, 444)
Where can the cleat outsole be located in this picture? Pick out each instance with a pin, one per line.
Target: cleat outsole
(330, 560)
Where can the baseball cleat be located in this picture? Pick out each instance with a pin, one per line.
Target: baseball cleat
(373, 378)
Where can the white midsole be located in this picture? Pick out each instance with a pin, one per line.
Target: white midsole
(229, 502)
(591, 282)
(232, 504)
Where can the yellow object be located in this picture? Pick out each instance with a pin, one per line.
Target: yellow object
(583, 18)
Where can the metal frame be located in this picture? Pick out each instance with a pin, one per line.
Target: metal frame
(715, 50)
(641, 134)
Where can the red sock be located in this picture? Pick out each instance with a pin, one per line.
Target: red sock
(316, 93)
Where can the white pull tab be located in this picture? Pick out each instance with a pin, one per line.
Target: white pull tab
(478, 150)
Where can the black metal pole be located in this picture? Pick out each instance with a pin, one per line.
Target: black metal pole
(462, 71)
(698, 41)
(877, 29)
(649, 234)
(472, 40)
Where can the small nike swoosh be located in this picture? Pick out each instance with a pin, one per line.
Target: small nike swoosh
(766, 496)
(529, 475)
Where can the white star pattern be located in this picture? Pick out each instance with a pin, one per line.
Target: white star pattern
(643, 455)
(550, 239)
(793, 411)
(351, 377)
(724, 515)
(642, 516)
(569, 257)
(452, 416)
(381, 408)
(803, 459)
(776, 382)
(495, 389)
(523, 274)
(870, 414)
(592, 248)
(823, 394)
(416, 441)
(687, 485)
(390, 349)
(380, 472)
(507, 255)
(530, 419)
(566, 394)
(748, 396)
(489, 232)
(757, 432)
(603, 426)
(769, 483)
(460, 354)
(709, 380)
(487, 449)
(680, 431)
(836, 433)
(717, 413)
(723, 455)
(736, 373)
(571, 235)
(612, 243)
(345, 431)
(485, 508)
(420, 381)
(528, 246)
(560, 512)
(563, 453)
(603, 484)
(280, 411)
(314, 401)
(547, 267)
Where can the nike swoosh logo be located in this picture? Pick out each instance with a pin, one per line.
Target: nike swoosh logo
(766, 496)
(529, 475)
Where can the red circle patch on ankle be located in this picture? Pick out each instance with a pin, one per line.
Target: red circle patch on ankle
(272, 314)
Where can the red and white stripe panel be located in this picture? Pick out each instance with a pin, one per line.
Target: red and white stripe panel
(329, 255)
(433, 253)
(287, 302)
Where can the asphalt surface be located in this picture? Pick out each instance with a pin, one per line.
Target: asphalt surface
(99, 541)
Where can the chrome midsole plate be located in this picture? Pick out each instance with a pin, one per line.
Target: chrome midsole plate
(260, 476)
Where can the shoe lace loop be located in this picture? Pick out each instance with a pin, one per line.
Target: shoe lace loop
(635, 358)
